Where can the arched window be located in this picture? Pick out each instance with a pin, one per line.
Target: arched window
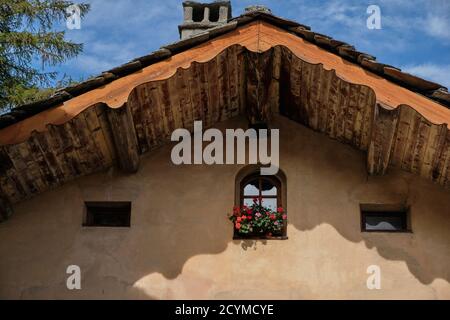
(269, 192)
(264, 189)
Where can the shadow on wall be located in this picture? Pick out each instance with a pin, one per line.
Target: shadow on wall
(179, 214)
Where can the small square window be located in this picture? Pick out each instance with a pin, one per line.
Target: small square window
(108, 214)
(380, 218)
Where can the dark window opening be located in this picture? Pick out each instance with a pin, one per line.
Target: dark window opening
(214, 14)
(379, 219)
(108, 214)
(198, 14)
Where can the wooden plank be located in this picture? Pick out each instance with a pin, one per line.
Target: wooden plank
(153, 125)
(185, 102)
(274, 90)
(125, 140)
(106, 130)
(47, 174)
(259, 78)
(445, 177)
(323, 99)
(368, 116)
(305, 91)
(223, 85)
(342, 107)
(173, 108)
(242, 80)
(316, 83)
(213, 114)
(441, 168)
(360, 110)
(165, 109)
(435, 145)
(421, 146)
(351, 113)
(233, 81)
(334, 104)
(20, 175)
(411, 141)
(193, 79)
(66, 153)
(139, 110)
(384, 128)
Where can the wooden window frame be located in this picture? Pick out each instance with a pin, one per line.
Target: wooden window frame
(277, 182)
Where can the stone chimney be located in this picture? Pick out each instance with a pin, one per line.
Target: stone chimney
(201, 16)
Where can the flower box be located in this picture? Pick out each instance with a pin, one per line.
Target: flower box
(258, 222)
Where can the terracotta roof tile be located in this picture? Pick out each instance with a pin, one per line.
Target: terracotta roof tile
(430, 89)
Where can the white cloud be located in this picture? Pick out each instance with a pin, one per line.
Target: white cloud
(433, 72)
(114, 32)
(438, 26)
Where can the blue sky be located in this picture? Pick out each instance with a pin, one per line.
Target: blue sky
(415, 34)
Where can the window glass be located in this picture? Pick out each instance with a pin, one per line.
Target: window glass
(384, 223)
(252, 188)
(270, 203)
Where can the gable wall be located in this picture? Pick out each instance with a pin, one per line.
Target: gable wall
(179, 245)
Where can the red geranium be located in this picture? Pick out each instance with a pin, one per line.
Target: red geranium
(258, 220)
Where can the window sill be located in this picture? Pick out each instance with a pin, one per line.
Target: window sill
(238, 238)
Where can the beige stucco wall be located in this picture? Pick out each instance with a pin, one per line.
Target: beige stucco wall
(180, 243)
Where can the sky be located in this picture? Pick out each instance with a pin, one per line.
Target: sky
(414, 34)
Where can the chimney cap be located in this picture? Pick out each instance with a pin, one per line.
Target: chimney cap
(199, 16)
(258, 8)
(225, 3)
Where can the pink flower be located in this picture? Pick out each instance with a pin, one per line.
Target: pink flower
(284, 217)
(273, 217)
(280, 210)
(238, 226)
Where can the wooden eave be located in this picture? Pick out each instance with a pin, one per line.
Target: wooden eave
(115, 123)
(257, 36)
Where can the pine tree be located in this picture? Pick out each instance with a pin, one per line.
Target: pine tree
(27, 32)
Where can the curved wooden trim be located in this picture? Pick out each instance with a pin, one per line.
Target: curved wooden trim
(257, 36)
